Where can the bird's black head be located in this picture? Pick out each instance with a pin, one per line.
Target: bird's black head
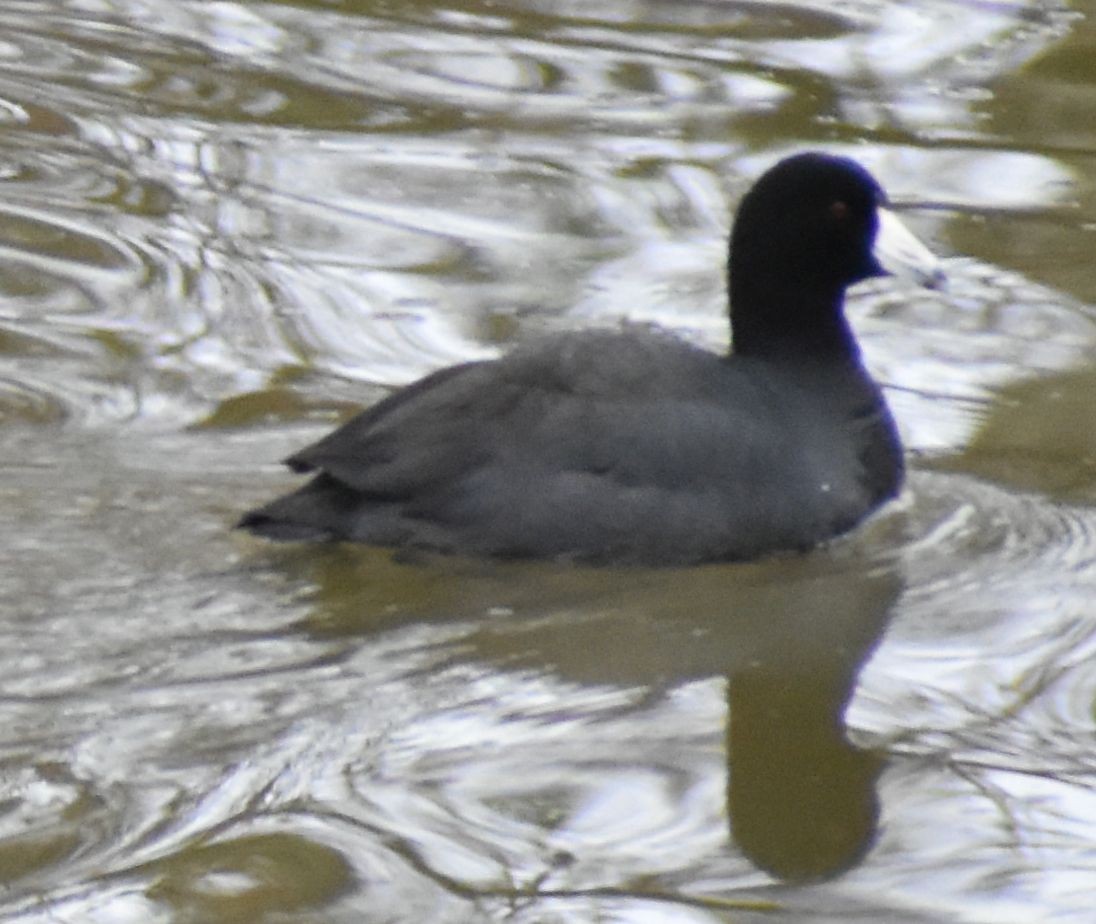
(813, 217)
(803, 234)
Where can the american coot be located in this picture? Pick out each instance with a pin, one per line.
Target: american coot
(632, 446)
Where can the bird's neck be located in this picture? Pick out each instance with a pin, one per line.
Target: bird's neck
(779, 321)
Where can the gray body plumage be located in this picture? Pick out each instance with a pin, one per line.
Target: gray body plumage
(628, 446)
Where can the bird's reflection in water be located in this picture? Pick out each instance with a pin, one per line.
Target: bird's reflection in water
(801, 797)
(788, 635)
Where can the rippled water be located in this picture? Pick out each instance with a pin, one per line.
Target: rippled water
(224, 225)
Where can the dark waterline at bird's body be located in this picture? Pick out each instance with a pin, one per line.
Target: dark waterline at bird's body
(632, 446)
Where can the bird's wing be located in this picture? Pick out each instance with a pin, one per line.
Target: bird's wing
(422, 435)
(514, 414)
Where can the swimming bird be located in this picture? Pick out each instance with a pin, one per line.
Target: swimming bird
(632, 446)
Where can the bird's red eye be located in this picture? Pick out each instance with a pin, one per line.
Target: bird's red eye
(839, 210)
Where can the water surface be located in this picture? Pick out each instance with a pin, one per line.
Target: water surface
(225, 226)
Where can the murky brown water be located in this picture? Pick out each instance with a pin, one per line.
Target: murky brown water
(224, 224)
